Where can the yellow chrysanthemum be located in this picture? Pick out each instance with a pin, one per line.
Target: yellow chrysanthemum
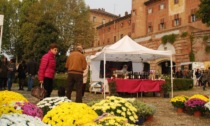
(117, 106)
(70, 113)
(199, 96)
(6, 97)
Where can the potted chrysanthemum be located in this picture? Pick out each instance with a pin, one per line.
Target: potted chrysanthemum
(178, 102)
(144, 111)
(110, 120)
(117, 106)
(70, 114)
(195, 105)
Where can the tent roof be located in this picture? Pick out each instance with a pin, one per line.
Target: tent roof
(128, 50)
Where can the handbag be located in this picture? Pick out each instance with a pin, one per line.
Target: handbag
(38, 92)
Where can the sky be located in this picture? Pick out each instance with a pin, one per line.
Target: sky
(112, 6)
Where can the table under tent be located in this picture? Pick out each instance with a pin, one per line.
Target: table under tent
(125, 50)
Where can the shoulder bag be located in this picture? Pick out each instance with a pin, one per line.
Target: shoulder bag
(38, 92)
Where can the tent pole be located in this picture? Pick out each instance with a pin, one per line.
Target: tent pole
(104, 75)
(172, 86)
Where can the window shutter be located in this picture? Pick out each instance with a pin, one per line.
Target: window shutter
(172, 23)
(180, 20)
(189, 19)
(164, 25)
(159, 26)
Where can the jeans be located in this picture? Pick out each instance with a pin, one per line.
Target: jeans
(9, 82)
(30, 82)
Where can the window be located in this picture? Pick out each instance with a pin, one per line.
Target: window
(121, 24)
(193, 18)
(162, 6)
(129, 22)
(103, 21)
(176, 1)
(94, 19)
(162, 24)
(115, 39)
(150, 28)
(109, 29)
(134, 12)
(133, 28)
(149, 10)
(177, 20)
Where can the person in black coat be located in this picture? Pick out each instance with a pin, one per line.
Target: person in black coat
(3, 73)
(22, 74)
(32, 71)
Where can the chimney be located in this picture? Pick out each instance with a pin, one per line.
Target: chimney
(126, 13)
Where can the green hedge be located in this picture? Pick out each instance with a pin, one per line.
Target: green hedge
(181, 83)
(61, 81)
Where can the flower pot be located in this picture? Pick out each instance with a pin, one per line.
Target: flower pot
(197, 114)
(140, 121)
(149, 118)
(180, 110)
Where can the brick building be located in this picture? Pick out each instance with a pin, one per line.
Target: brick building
(151, 20)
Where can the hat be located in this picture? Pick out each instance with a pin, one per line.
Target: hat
(79, 48)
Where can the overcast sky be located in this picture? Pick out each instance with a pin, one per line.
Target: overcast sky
(113, 6)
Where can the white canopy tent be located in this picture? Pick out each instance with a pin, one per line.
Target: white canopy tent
(128, 50)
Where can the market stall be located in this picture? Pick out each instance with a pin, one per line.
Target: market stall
(127, 50)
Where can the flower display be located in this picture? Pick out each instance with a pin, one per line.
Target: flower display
(111, 120)
(20, 120)
(31, 109)
(195, 104)
(179, 101)
(22, 108)
(117, 106)
(6, 97)
(7, 109)
(199, 96)
(50, 102)
(70, 114)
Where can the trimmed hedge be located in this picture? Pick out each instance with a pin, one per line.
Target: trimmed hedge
(181, 83)
(61, 81)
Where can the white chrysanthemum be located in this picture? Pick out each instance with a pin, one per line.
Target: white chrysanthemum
(20, 120)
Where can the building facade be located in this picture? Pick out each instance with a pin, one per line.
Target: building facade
(152, 20)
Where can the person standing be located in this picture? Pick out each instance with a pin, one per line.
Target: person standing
(32, 71)
(3, 73)
(198, 77)
(47, 69)
(204, 79)
(85, 77)
(208, 76)
(11, 73)
(22, 74)
(75, 64)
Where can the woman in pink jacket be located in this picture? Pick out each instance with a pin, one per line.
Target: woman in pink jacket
(47, 69)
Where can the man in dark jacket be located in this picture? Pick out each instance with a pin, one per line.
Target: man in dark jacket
(22, 74)
(3, 73)
(32, 71)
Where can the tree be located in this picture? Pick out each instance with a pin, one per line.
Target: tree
(4, 9)
(204, 12)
